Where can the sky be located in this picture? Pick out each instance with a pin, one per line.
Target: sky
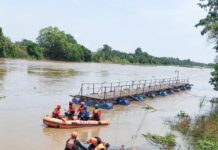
(163, 28)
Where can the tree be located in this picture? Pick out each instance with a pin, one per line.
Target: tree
(138, 51)
(2, 43)
(87, 54)
(210, 27)
(32, 48)
(59, 45)
(53, 41)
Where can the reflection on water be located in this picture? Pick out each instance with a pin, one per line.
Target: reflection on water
(51, 72)
(34, 88)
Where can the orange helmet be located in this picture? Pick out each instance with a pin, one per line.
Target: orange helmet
(82, 103)
(93, 141)
(59, 106)
(74, 134)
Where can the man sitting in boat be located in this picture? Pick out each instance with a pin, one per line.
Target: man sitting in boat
(71, 111)
(57, 112)
(73, 143)
(85, 114)
(79, 110)
(96, 114)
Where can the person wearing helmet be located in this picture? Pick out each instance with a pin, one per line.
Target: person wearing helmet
(73, 143)
(93, 143)
(85, 114)
(71, 111)
(57, 112)
(96, 114)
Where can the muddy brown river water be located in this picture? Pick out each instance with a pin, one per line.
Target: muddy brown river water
(31, 89)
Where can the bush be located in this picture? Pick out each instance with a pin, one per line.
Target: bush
(206, 145)
(167, 141)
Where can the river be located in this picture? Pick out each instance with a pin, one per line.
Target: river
(31, 89)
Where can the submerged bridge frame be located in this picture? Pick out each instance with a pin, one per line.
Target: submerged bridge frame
(113, 90)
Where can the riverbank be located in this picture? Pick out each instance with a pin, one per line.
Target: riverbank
(203, 129)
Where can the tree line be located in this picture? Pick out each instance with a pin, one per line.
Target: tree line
(55, 44)
(210, 28)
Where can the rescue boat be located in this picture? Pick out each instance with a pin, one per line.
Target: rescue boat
(66, 124)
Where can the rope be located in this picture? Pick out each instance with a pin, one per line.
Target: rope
(135, 136)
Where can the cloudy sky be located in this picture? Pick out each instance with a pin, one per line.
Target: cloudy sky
(159, 27)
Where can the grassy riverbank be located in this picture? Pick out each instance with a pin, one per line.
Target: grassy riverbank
(203, 129)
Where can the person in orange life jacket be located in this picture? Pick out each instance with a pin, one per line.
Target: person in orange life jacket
(101, 145)
(71, 110)
(74, 144)
(93, 143)
(79, 110)
(85, 114)
(96, 114)
(57, 112)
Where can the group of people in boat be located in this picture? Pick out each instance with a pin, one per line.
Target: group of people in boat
(95, 143)
(82, 112)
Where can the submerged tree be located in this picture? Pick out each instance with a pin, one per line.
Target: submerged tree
(210, 28)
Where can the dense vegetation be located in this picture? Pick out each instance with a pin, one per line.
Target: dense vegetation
(210, 28)
(58, 45)
(203, 128)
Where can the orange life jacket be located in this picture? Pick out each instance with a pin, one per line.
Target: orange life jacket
(81, 108)
(56, 113)
(97, 114)
(100, 147)
(71, 109)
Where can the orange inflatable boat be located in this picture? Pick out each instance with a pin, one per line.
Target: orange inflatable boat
(66, 124)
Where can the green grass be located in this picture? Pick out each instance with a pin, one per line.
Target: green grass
(183, 122)
(167, 141)
(203, 130)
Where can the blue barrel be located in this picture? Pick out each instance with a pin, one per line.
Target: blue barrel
(89, 102)
(140, 98)
(77, 100)
(163, 93)
(123, 101)
(170, 91)
(106, 105)
(183, 88)
(151, 95)
(188, 87)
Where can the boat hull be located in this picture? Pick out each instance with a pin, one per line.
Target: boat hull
(67, 124)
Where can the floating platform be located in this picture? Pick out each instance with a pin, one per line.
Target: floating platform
(119, 92)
